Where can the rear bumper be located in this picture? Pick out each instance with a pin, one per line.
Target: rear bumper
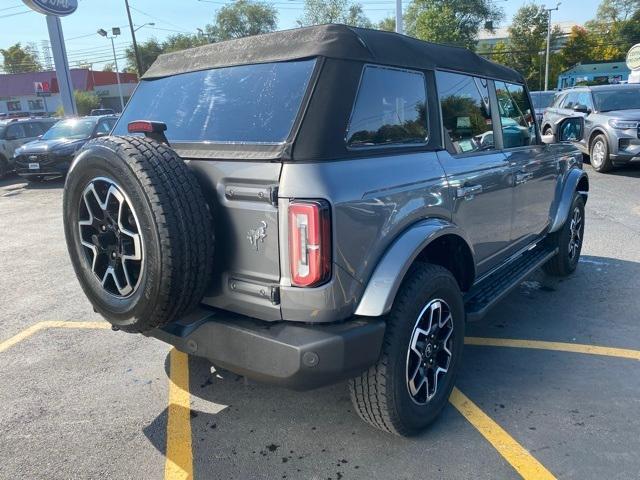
(294, 355)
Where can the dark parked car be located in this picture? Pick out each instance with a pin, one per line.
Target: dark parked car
(322, 204)
(50, 156)
(542, 100)
(14, 133)
(612, 122)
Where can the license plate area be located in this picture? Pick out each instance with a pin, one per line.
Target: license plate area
(34, 166)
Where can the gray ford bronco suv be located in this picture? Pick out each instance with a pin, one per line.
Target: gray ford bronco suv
(322, 204)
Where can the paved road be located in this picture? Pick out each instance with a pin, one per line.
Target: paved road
(92, 403)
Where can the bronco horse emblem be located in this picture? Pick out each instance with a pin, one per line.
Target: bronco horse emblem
(257, 235)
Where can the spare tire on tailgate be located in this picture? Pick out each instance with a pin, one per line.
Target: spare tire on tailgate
(138, 230)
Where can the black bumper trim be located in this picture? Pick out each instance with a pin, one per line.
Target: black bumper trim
(295, 355)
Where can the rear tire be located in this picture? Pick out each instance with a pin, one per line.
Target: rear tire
(569, 241)
(599, 154)
(385, 396)
(138, 230)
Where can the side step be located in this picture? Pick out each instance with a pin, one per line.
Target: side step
(498, 284)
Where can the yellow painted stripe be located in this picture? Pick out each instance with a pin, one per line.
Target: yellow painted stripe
(179, 462)
(26, 333)
(555, 346)
(514, 453)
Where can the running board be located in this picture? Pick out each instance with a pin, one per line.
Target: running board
(496, 286)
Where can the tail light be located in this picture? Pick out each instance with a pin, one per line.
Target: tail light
(309, 242)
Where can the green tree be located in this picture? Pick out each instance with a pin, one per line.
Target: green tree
(241, 19)
(610, 11)
(455, 22)
(613, 29)
(527, 38)
(149, 51)
(388, 24)
(317, 12)
(108, 67)
(500, 53)
(18, 59)
(578, 48)
(86, 101)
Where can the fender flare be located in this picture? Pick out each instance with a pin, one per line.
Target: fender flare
(569, 187)
(385, 281)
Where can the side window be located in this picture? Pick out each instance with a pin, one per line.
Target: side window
(390, 109)
(516, 115)
(106, 125)
(32, 129)
(570, 100)
(557, 100)
(466, 112)
(15, 131)
(584, 98)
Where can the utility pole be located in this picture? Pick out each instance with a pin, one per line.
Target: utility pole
(133, 38)
(546, 68)
(399, 28)
(115, 31)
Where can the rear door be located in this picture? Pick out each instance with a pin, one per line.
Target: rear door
(15, 137)
(476, 169)
(533, 164)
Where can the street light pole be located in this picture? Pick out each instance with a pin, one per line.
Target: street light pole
(135, 43)
(399, 28)
(115, 32)
(546, 68)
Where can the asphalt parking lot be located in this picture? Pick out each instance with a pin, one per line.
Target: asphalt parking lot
(81, 401)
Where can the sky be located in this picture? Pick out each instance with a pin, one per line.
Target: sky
(19, 24)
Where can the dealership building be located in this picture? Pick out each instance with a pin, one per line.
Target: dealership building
(18, 96)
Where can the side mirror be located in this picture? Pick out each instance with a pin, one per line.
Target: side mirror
(570, 129)
(581, 109)
(102, 134)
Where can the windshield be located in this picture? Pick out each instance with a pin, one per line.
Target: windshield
(242, 104)
(76, 128)
(619, 99)
(542, 99)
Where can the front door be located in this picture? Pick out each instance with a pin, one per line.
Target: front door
(478, 173)
(533, 164)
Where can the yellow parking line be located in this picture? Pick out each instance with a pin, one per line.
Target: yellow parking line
(514, 453)
(555, 346)
(26, 333)
(179, 462)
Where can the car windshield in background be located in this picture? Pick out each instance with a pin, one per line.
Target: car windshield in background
(542, 99)
(242, 104)
(75, 128)
(617, 99)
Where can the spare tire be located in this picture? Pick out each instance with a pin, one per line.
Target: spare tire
(138, 230)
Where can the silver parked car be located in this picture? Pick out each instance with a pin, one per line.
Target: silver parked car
(321, 204)
(15, 133)
(611, 118)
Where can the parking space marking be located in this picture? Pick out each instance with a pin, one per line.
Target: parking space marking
(555, 346)
(26, 333)
(514, 453)
(179, 454)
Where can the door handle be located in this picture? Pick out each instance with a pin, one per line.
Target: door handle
(523, 177)
(468, 192)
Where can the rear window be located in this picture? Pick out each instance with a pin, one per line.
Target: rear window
(242, 104)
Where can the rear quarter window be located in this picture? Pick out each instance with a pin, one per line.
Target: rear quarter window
(241, 104)
(390, 109)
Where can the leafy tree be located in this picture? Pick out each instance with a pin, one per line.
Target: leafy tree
(108, 67)
(19, 60)
(149, 51)
(85, 102)
(450, 21)
(527, 38)
(579, 47)
(243, 18)
(613, 29)
(500, 53)
(388, 24)
(317, 12)
(610, 11)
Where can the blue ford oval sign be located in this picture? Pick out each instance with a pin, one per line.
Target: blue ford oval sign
(59, 8)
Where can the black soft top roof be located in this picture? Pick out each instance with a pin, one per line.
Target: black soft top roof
(331, 41)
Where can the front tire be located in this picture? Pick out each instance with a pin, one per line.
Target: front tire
(599, 154)
(568, 240)
(411, 382)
